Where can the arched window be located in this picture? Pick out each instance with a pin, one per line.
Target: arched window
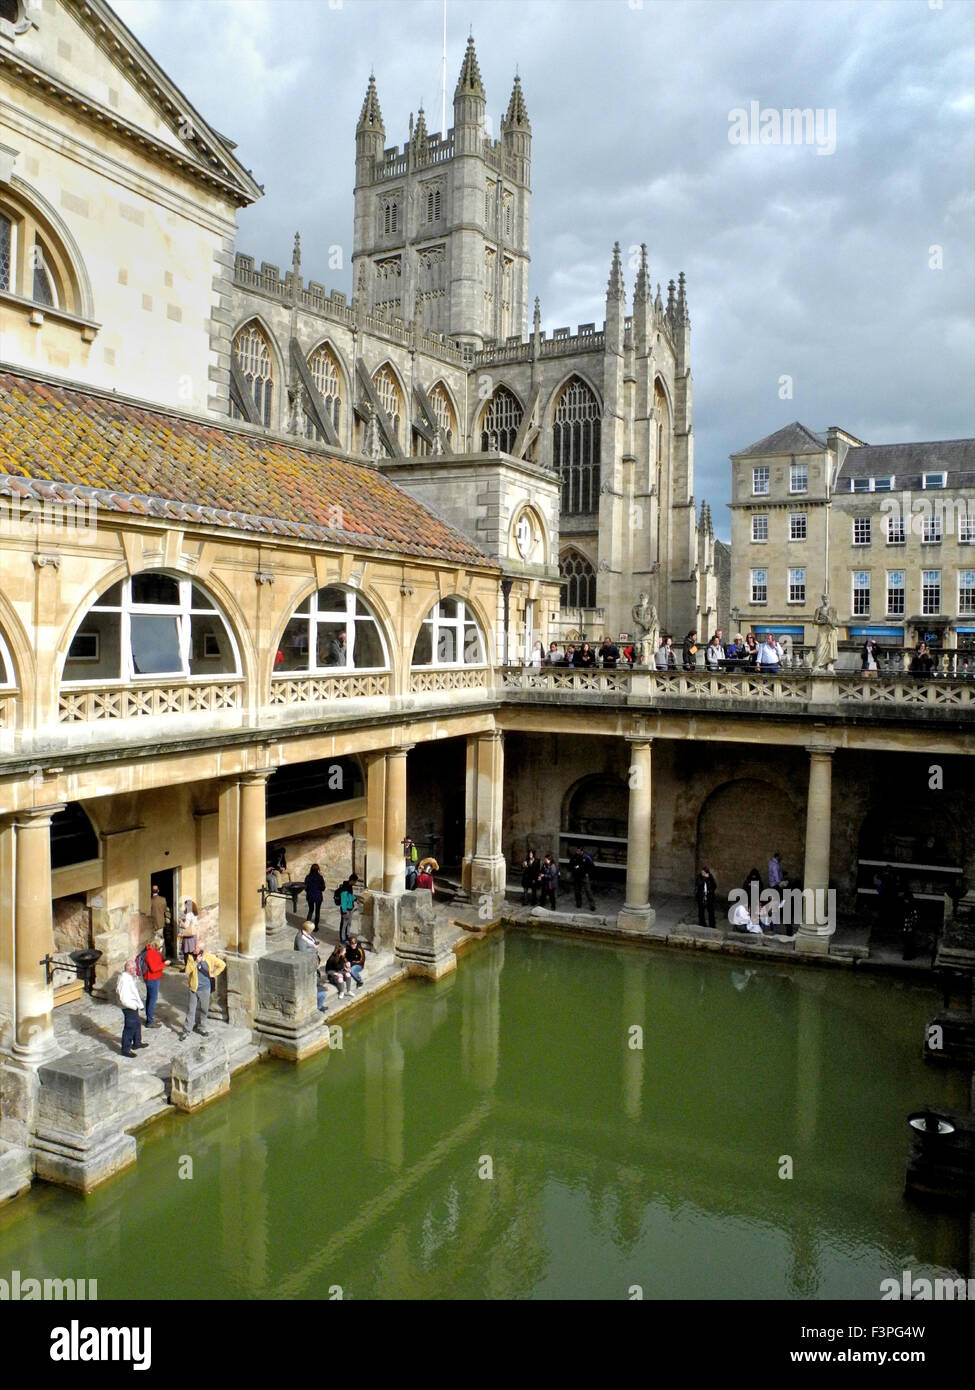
(333, 630)
(33, 265)
(450, 636)
(154, 624)
(578, 580)
(576, 447)
(443, 413)
(387, 389)
(500, 422)
(389, 216)
(6, 666)
(254, 356)
(325, 374)
(433, 204)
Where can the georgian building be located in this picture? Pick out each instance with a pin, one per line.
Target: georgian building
(887, 529)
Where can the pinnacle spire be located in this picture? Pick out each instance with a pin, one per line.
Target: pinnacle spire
(615, 286)
(671, 302)
(682, 314)
(469, 81)
(371, 117)
(658, 303)
(296, 256)
(642, 292)
(419, 137)
(517, 113)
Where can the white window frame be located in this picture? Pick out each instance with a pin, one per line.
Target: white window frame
(766, 479)
(757, 519)
(465, 616)
(797, 585)
(927, 610)
(900, 588)
(966, 593)
(797, 470)
(966, 527)
(900, 524)
(183, 612)
(932, 530)
(335, 617)
(861, 521)
(755, 584)
(795, 517)
(934, 480)
(860, 607)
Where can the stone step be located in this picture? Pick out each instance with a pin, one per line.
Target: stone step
(16, 1171)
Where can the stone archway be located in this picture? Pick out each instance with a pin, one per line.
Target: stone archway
(740, 825)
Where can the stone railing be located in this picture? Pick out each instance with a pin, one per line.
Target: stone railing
(548, 347)
(307, 690)
(906, 690)
(435, 680)
(559, 678)
(738, 685)
(87, 704)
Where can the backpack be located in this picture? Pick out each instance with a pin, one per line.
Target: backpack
(337, 896)
(141, 968)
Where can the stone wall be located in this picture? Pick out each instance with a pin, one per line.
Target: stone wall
(71, 923)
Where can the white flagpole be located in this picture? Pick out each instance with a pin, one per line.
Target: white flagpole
(443, 78)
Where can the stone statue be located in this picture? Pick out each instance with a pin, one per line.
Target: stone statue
(646, 626)
(826, 640)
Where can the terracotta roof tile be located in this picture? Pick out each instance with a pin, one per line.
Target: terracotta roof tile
(71, 443)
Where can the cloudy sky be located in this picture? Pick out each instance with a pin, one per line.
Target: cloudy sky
(850, 271)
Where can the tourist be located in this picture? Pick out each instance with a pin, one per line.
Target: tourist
(570, 655)
(666, 657)
(410, 856)
(189, 925)
(750, 653)
(922, 663)
(424, 877)
(271, 879)
(706, 891)
(338, 971)
(714, 654)
(868, 657)
(585, 657)
(550, 881)
(554, 657)
(740, 920)
(609, 654)
(336, 651)
(530, 873)
(629, 654)
(154, 967)
(314, 892)
(130, 1000)
(768, 656)
(734, 652)
(356, 957)
(689, 651)
(202, 970)
(304, 941)
(580, 867)
(537, 658)
(162, 921)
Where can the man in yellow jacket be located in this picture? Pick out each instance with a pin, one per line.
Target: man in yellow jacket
(202, 969)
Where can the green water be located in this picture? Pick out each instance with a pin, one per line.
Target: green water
(367, 1168)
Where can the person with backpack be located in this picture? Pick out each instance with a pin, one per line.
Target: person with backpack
(344, 899)
(150, 966)
(550, 881)
(202, 970)
(314, 892)
(580, 867)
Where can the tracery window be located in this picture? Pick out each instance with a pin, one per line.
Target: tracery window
(32, 265)
(576, 447)
(332, 630)
(325, 374)
(387, 389)
(501, 422)
(578, 580)
(450, 636)
(254, 356)
(153, 624)
(6, 665)
(389, 216)
(443, 414)
(433, 204)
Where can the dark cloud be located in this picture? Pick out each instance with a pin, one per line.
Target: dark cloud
(798, 264)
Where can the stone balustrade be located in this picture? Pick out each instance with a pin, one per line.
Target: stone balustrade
(463, 678)
(89, 703)
(304, 690)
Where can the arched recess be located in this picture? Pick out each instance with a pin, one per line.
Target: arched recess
(333, 629)
(500, 421)
(155, 624)
(595, 812)
(740, 825)
(664, 416)
(388, 385)
(578, 576)
(74, 837)
(912, 832)
(40, 247)
(445, 412)
(576, 446)
(262, 366)
(330, 375)
(453, 633)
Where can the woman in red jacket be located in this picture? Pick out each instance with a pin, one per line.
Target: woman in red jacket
(153, 974)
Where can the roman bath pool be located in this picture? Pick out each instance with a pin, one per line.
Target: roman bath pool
(558, 1119)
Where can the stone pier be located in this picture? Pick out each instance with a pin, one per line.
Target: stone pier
(288, 1018)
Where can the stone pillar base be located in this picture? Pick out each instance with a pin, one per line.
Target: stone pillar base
(288, 1018)
(385, 919)
(241, 990)
(78, 1141)
(18, 1100)
(636, 918)
(422, 939)
(488, 875)
(199, 1075)
(812, 943)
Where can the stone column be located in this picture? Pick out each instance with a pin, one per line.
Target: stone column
(394, 876)
(243, 851)
(818, 919)
(488, 867)
(636, 911)
(33, 935)
(375, 822)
